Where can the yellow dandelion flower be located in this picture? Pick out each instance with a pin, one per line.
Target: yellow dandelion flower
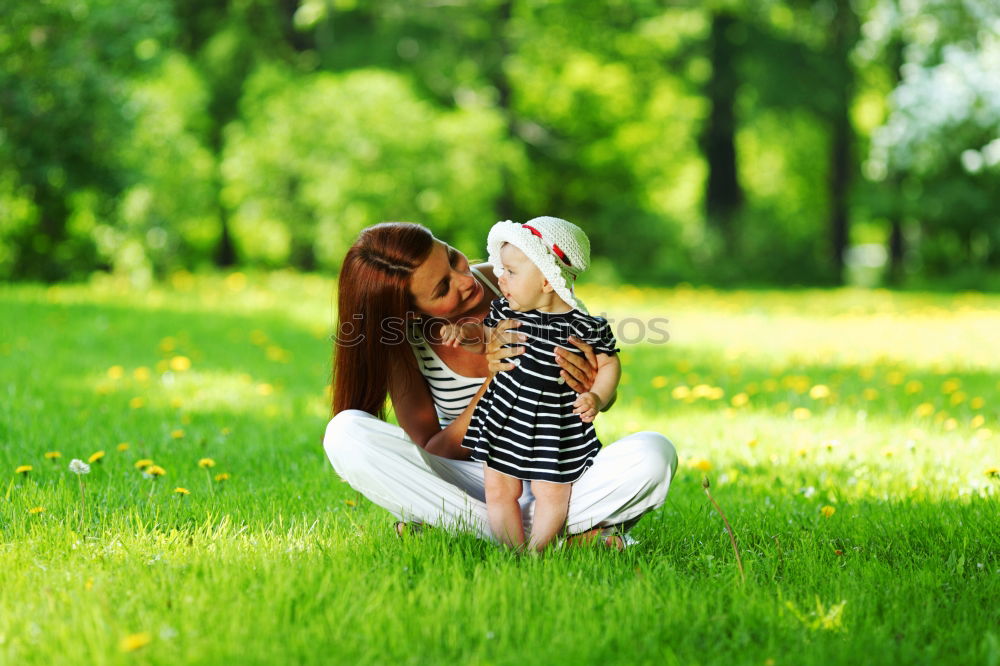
(277, 354)
(52, 455)
(819, 391)
(167, 345)
(680, 392)
(951, 385)
(950, 424)
(866, 372)
(180, 363)
(264, 389)
(176, 403)
(155, 470)
(182, 491)
(137, 402)
(802, 452)
(123, 446)
(977, 403)
(895, 378)
(95, 457)
(958, 397)
(23, 469)
(658, 382)
(89, 585)
(37, 510)
(716, 393)
(700, 464)
(133, 642)
(977, 421)
(206, 462)
(913, 386)
(752, 443)
(701, 391)
(924, 409)
(801, 413)
(116, 372)
(222, 477)
(225, 432)
(869, 394)
(144, 463)
(141, 374)
(236, 281)
(769, 385)
(888, 452)
(993, 472)
(828, 511)
(740, 400)
(177, 434)
(350, 502)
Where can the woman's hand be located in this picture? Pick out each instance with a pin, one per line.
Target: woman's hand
(578, 371)
(495, 353)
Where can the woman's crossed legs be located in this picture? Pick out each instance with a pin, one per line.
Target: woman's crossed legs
(628, 478)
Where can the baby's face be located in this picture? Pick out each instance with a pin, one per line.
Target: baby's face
(521, 282)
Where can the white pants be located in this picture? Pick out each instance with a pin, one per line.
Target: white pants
(379, 460)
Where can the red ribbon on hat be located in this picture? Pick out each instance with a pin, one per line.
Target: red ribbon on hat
(555, 248)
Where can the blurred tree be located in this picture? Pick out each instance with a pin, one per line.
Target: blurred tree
(62, 93)
(723, 193)
(318, 158)
(940, 144)
(227, 40)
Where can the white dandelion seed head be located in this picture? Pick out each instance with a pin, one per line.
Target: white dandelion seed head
(77, 466)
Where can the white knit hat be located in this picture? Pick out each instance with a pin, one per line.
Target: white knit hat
(560, 250)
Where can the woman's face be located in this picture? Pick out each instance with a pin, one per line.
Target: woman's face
(444, 286)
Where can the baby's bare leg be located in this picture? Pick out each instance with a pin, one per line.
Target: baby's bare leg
(551, 507)
(502, 493)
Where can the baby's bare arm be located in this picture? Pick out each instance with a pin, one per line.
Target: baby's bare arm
(609, 372)
(588, 404)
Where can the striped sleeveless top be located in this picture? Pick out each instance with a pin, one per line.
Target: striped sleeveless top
(450, 391)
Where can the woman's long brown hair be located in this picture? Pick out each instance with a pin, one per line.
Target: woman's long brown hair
(374, 306)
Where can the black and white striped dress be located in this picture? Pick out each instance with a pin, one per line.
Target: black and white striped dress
(524, 424)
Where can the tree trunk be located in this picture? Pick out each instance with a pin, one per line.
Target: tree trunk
(844, 31)
(723, 194)
(225, 251)
(505, 202)
(897, 243)
(38, 256)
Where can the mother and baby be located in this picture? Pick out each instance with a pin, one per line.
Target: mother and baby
(495, 373)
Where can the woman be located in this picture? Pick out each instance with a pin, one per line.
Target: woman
(397, 287)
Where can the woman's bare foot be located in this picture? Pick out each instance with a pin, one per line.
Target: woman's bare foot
(403, 528)
(612, 541)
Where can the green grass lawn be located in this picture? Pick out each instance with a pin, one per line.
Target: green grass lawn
(851, 437)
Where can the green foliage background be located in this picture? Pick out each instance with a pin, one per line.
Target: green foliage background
(144, 137)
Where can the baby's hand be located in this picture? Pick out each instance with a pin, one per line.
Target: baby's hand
(587, 405)
(469, 335)
(451, 335)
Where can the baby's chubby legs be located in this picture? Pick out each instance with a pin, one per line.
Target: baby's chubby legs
(551, 507)
(502, 509)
